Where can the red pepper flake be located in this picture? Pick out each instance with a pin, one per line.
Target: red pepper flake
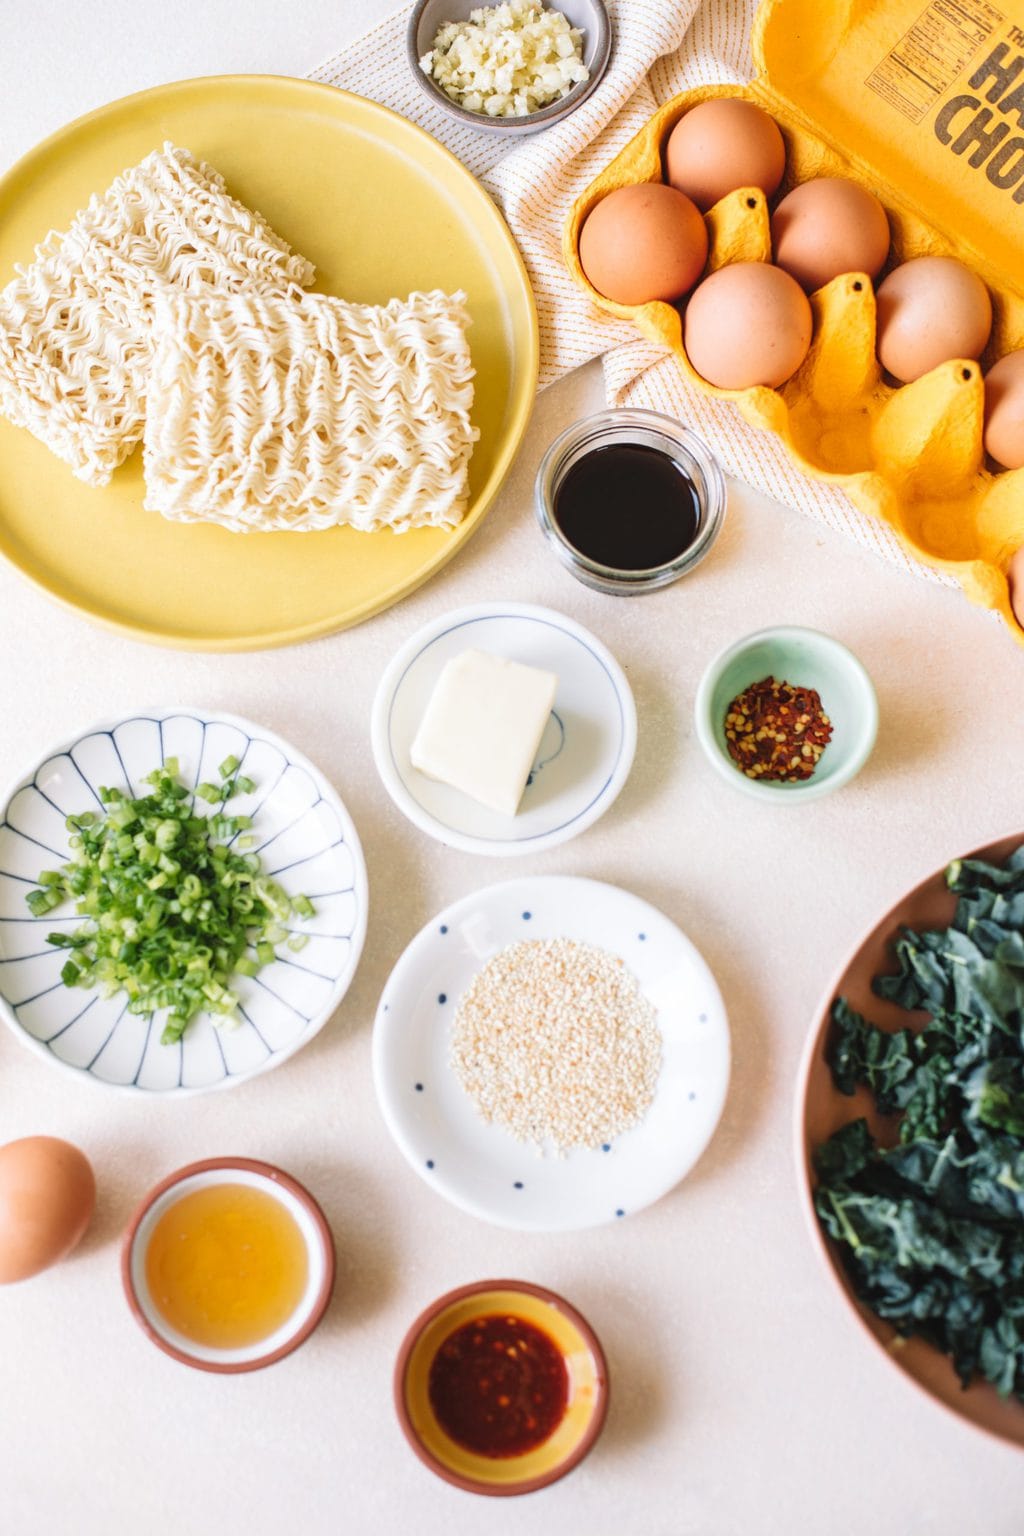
(777, 731)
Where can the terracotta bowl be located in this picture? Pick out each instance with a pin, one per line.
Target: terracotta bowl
(319, 1247)
(588, 1388)
(821, 1109)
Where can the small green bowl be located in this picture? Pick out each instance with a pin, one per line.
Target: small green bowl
(807, 658)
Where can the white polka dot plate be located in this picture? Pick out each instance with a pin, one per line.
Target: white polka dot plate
(585, 753)
(481, 1167)
(304, 838)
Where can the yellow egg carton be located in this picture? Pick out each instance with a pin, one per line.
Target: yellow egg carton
(923, 105)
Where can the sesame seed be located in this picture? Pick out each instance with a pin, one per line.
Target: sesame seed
(554, 1041)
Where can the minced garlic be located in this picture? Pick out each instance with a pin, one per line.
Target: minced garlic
(507, 60)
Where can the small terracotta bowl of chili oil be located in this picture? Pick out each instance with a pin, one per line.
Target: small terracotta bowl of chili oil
(629, 500)
(805, 705)
(501, 1387)
(228, 1265)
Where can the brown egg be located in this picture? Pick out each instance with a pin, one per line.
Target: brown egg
(722, 145)
(1016, 575)
(643, 242)
(931, 310)
(1004, 411)
(47, 1194)
(826, 227)
(748, 323)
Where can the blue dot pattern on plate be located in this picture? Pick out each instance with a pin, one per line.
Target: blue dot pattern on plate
(419, 1087)
(476, 1175)
(444, 927)
(442, 997)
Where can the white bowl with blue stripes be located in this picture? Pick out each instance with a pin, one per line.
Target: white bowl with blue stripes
(305, 839)
(585, 754)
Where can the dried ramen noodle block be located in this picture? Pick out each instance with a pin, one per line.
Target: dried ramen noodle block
(304, 412)
(75, 324)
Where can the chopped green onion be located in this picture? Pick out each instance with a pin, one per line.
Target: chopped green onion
(173, 1030)
(302, 906)
(171, 911)
(298, 941)
(228, 767)
(165, 833)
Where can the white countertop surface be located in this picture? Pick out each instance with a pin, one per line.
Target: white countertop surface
(743, 1398)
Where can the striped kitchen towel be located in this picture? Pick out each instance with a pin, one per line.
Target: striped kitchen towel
(660, 47)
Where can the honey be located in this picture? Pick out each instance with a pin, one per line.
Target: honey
(227, 1265)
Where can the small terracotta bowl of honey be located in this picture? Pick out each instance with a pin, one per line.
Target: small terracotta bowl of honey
(228, 1265)
(501, 1387)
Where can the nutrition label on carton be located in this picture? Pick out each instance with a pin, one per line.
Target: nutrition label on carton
(932, 54)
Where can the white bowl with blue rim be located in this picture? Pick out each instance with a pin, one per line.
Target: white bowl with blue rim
(585, 754)
(305, 840)
(481, 1167)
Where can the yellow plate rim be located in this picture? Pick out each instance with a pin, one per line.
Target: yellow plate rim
(528, 365)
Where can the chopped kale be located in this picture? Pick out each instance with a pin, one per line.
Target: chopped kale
(931, 1230)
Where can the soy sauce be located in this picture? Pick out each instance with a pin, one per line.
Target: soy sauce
(628, 506)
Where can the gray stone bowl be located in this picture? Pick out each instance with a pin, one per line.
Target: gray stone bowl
(589, 15)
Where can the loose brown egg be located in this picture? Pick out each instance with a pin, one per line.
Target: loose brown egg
(722, 145)
(643, 242)
(47, 1194)
(748, 323)
(826, 227)
(1004, 411)
(931, 310)
(1016, 575)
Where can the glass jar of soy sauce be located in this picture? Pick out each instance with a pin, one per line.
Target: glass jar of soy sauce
(629, 500)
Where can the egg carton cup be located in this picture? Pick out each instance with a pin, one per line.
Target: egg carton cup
(911, 455)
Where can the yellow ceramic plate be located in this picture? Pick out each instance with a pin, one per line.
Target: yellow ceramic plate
(381, 209)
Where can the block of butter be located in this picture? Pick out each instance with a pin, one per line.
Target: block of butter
(483, 725)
